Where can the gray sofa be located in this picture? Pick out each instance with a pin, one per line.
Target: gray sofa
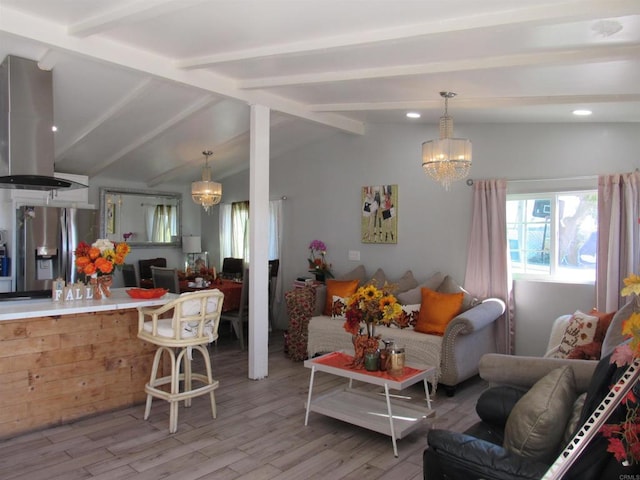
(468, 337)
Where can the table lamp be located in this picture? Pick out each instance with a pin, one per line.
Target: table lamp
(191, 245)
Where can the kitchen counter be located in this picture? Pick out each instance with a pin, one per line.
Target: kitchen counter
(17, 309)
(60, 362)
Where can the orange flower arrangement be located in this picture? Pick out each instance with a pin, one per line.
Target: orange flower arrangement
(101, 257)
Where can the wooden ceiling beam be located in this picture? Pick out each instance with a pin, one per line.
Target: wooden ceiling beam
(539, 15)
(546, 58)
(196, 106)
(129, 13)
(476, 103)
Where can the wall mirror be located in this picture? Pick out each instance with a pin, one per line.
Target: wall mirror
(142, 218)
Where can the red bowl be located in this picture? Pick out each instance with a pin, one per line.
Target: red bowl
(146, 293)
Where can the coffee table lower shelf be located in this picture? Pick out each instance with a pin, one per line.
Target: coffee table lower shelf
(370, 410)
(367, 409)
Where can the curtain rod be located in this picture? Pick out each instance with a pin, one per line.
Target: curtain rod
(555, 179)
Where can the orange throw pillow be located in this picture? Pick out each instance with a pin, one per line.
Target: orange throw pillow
(604, 320)
(340, 288)
(437, 310)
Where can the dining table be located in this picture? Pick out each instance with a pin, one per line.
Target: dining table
(232, 291)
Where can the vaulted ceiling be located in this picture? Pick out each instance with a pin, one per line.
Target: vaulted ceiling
(142, 87)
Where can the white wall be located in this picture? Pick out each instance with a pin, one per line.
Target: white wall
(323, 182)
(538, 304)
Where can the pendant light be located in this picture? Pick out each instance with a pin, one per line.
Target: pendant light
(205, 192)
(446, 159)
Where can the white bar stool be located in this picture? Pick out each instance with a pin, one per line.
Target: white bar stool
(193, 324)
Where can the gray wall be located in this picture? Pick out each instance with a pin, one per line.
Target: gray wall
(322, 183)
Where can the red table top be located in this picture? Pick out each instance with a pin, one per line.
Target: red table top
(342, 360)
(232, 292)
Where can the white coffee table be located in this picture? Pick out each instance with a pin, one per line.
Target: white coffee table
(366, 409)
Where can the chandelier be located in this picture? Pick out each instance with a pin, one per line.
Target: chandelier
(205, 192)
(446, 159)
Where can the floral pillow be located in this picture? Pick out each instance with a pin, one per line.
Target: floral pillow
(339, 307)
(593, 350)
(580, 330)
(408, 317)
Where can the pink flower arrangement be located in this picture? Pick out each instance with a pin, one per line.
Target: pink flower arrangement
(317, 260)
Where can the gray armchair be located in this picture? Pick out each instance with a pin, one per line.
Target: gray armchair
(523, 371)
(556, 411)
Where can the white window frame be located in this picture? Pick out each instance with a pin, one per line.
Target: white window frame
(553, 275)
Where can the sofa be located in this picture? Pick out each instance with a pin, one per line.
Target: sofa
(522, 430)
(469, 335)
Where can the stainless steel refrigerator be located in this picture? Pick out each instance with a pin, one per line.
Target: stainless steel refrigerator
(46, 239)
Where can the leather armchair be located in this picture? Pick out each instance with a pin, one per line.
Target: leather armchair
(478, 452)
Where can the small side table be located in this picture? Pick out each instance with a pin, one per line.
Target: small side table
(300, 306)
(365, 409)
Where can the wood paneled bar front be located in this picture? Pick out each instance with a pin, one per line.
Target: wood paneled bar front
(61, 361)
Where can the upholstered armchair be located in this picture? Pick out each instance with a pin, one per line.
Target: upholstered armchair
(523, 430)
(524, 371)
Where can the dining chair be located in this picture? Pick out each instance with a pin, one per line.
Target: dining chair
(129, 275)
(165, 278)
(232, 267)
(240, 316)
(144, 268)
(274, 266)
(193, 325)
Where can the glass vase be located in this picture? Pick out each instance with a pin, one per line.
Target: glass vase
(371, 360)
(93, 281)
(105, 284)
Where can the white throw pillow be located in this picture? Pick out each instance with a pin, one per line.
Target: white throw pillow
(408, 318)
(339, 307)
(579, 331)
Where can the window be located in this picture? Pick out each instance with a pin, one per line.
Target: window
(553, 235)
(234, 230)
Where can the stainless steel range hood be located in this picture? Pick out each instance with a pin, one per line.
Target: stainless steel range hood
(26, 119)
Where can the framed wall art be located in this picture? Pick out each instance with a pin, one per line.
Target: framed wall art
(379, 214)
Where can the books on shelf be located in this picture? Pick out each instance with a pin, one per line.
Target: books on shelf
(302, 282)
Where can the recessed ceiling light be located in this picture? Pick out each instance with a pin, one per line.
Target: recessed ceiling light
(413, 115)
(582, 113)
(54, 128)
(606, 28)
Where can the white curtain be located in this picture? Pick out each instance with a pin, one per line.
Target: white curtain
(275, 247)
(150, 213)
(164, 223)
(234, 232)
(275, 228)
(487, 272)
(618, 236)
(240, 230)
(225, 232)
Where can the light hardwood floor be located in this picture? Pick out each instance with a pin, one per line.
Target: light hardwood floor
(259, 433)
